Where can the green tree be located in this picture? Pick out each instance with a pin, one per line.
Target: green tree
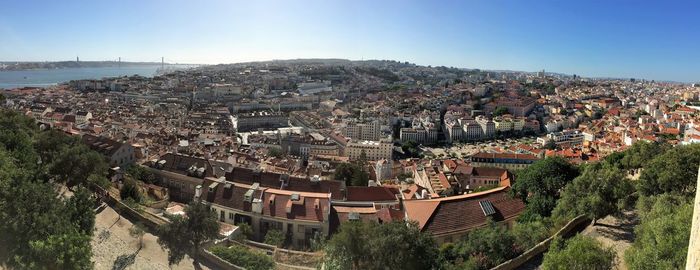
(352, 174)
(246, 232)
(360, 178)
(39, 228)
(80, 210)
(361, 161)
(343, 172)
(600, 191)
(410, 148)
(244, 257)
(675, 171)
(661, 238)
(64, 251)
(370, 245)
(500, 110)
(141, 173)
(529, 234)
(52, 143)
(484, 248)
(185, 235)
(75, 165)
(540, 184)
(274, 237)
(275, 152)
(551, 145)
(130, 189)
(578, 253)
(641, 153)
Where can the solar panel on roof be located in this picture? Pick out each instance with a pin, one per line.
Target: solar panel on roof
(487, 208)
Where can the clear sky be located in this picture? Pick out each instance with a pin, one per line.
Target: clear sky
(654, 40)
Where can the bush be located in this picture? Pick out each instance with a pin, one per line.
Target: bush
(540, 184)
(274, 237)
(662, 236)
(141, 173)
(578, 253)
(246, 231)
(371, 245)
(484, 248)
(674, 171)
(244, 257)
(130, 189)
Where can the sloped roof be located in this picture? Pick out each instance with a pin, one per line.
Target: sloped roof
(311, 206)
(367, 194)
(272, 180)
(104, 145)
(462, 213)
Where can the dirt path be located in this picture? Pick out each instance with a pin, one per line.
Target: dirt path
(616, 233)
(112, 243)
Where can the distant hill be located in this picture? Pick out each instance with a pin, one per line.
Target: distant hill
(70, 64)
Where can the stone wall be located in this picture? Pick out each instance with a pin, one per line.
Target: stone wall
(538, 249)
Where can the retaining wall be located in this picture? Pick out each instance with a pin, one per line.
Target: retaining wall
(538, 249)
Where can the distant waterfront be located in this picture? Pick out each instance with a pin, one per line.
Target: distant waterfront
(49, 77)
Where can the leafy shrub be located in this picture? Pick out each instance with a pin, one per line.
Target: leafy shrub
(244, 257)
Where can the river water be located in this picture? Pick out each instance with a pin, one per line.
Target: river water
(49, 77)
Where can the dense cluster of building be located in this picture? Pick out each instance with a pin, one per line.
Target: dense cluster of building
(260, 142)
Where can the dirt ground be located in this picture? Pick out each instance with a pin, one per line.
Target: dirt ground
(112, 243)
(615, 233)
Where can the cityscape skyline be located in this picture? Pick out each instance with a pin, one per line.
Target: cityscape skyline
(595, 39)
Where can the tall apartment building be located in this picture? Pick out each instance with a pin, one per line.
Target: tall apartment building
(364, 131)
(488, 126)
(422, 130)
(264, 119)
(374, 150)
(472, 130)
(453, 131)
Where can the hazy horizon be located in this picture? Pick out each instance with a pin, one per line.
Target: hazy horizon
(616, 39)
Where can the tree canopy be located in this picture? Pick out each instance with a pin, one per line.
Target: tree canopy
(274, 237)
(243, 257)
(578, 253)
(185, 235)
(39, 228)
(663, 233)
(352, 174)
(675, 171)
(500, 110)
(601, 190)
(540, 184)
(370, 245)
(493, 244)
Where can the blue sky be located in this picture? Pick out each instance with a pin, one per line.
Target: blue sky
(655, 40)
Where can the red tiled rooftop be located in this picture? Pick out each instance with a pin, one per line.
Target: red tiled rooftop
(375, 194)
(462, 213)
